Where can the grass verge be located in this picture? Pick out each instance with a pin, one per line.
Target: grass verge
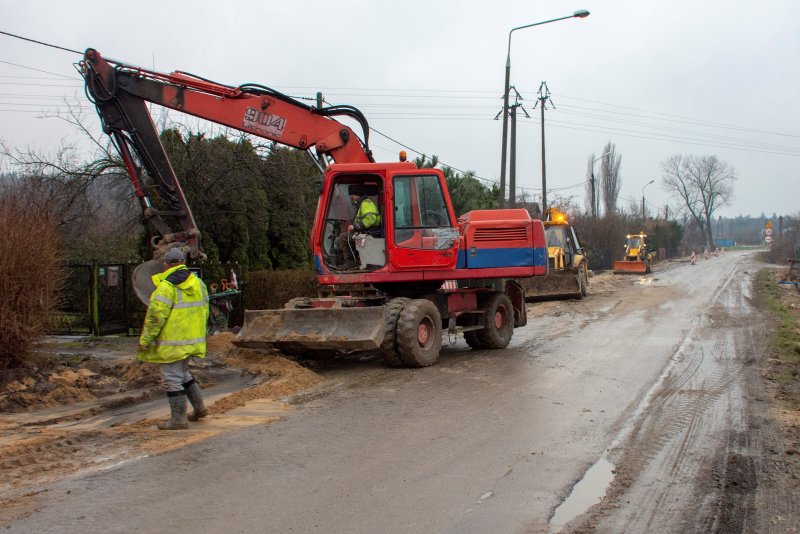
(785, 343)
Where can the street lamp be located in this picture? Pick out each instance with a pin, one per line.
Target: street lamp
(645, 185)
(595, 193)
(581, 13)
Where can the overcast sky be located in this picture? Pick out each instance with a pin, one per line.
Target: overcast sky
(654, 78)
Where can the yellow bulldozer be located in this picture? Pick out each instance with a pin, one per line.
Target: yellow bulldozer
(638, 257)
(568, 269)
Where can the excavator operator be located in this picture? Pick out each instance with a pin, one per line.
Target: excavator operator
(367, 220)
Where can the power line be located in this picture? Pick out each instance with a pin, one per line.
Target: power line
(38, 70)
(30, 78)
(708, 123)
(424, 156)
(41, 43)
(723, 142)
(663, 137)
(679, 130)
(37, 84)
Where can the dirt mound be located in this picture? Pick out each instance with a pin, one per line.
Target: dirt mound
(58, 384)
(35, 446)
(219, 342)
(92, 370)
(281, 377)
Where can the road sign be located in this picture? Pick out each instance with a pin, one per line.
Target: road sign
(768, 231)
(768, 239)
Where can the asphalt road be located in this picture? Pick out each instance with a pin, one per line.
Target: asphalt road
(485, 441)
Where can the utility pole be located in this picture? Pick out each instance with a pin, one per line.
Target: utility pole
(512, 179)
(512, 171)
(544, 96)
(643, 188)
(321, 157)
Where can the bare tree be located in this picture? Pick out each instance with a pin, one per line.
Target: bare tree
(565, 203)
(610, 178)
(704, 184)
(87, 196)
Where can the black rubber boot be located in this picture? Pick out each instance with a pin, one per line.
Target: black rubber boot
(177, 409)
(193, 391)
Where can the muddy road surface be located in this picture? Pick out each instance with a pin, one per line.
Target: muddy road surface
(637, 409)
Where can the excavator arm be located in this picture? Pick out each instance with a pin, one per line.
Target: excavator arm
(121, 93)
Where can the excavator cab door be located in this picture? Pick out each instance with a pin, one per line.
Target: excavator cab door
(340, 213)
(424, 234)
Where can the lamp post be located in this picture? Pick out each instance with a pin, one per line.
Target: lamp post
(645, 185)
(582, 13)
(594, 189)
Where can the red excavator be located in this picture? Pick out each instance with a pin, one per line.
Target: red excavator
(422, 270)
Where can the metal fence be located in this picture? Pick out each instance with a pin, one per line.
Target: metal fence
(97, 299)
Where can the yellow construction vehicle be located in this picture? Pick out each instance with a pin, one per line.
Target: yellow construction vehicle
(638, 257)
(568, 269)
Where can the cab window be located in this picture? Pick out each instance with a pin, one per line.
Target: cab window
(421, 219)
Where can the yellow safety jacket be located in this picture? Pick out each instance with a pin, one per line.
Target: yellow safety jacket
(367, 215)
(175, 324)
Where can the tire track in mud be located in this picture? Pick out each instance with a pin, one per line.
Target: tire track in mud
(663, 480)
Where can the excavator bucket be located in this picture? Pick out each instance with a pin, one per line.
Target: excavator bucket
(299, 330)
(557, 284)
(142, 278)
(631, 267)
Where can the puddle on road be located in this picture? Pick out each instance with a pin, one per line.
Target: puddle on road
(585, 494)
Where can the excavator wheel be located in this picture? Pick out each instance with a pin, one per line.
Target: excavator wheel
(471, 337)
(499, 322)
(419, 333)
(389, 349)
(583, 282)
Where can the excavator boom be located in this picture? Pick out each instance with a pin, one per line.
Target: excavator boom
(121, 93)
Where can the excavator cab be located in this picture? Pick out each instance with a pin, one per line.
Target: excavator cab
(365, 247)
(634, 244)
(568, 268)
(417, 228)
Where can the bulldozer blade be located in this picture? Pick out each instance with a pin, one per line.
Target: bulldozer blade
(557, 284)
(630, 267)
(142, 278)
(313, 329)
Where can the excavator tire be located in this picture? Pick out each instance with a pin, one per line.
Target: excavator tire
(583, 282)
(471, 337)
(419, 333)
(499, 322)
(391, 355)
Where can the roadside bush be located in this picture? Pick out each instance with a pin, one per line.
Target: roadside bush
(30, 276)
(603, 239)
(782, 248)
(272, 289)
